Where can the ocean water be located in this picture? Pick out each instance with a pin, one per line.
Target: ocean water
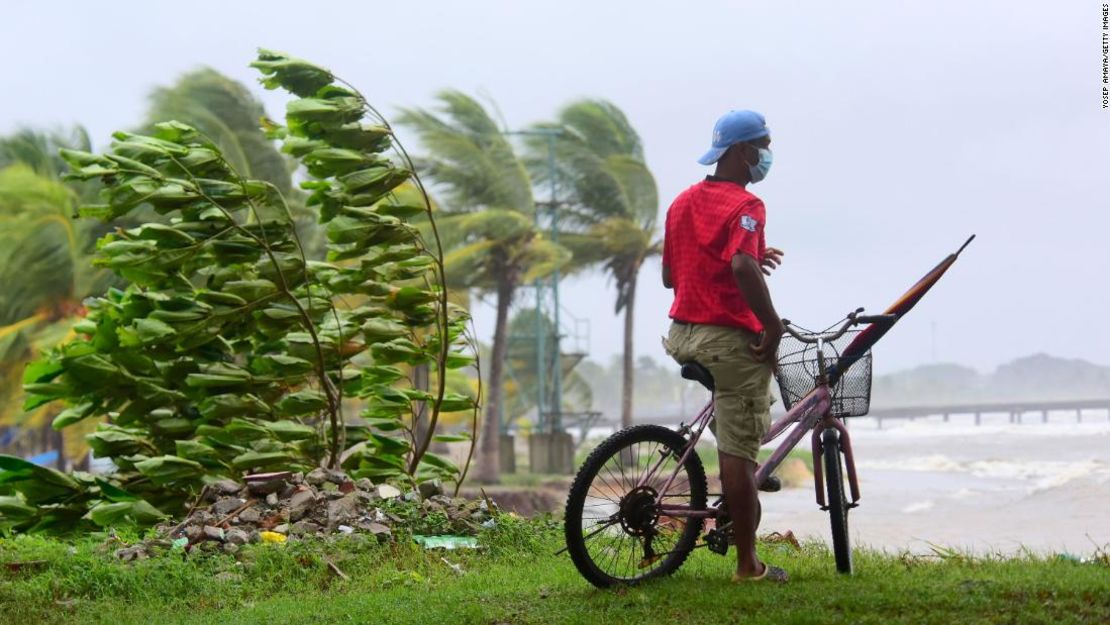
(998, 487)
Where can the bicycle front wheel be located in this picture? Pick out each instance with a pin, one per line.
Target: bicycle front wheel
(615, 529)
(837, 501)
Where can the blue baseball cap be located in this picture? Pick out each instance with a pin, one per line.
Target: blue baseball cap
(734, 127)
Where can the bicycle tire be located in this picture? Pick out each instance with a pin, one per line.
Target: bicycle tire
(837, 501)
(580, 489)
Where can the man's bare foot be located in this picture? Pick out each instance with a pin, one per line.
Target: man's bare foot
(769, 573)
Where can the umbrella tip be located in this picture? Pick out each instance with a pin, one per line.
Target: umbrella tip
(966, 243)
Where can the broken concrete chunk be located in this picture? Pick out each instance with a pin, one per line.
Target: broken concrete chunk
(265, 483)
(300, 503)
(227, 505)
(430, 488)
(302, 528)
(213, 533)
(237, 537)
(317, 476)
(342, 510)
(195, 533)
(387, 491)
(374, 528)
(226, 487)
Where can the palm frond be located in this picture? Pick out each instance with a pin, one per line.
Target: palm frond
(226, 111)
(540, 258)
(471, 159)
(39, 149)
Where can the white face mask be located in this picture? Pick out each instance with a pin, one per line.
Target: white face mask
(759, 170)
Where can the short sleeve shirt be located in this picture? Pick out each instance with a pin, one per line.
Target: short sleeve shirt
(706, 226)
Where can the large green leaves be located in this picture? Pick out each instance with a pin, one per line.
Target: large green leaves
(225, 346)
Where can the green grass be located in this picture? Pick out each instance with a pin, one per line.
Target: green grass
(516, 579)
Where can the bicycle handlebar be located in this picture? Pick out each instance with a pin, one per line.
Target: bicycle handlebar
(854, 319)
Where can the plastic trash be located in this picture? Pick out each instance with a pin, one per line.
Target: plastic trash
(446, 542)
(272, 537)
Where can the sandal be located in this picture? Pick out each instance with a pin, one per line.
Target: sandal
(769, 574)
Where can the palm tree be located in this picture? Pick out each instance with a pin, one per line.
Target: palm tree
(487, 221)
(38, 149)
(224, 110)
(611, 205)
(45, 270)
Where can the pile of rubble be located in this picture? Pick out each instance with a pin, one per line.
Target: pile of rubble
(286, 506)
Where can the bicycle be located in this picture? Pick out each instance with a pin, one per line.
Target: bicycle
(659, 503)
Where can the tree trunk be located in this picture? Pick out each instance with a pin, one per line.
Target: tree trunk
(629, 370)
(489, 460)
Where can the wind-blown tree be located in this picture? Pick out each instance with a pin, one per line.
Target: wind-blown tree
(228, 351)
(609, 205)
(487, 219)
(224, 110)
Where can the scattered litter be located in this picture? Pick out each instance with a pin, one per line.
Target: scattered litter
(272, 537)
(338, 573)
(458, 569)
(446, 542)
(284, 506)
(783, 538)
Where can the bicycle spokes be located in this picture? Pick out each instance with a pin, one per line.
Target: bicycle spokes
(624, 525)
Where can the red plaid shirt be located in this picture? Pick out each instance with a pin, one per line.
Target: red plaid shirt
(707, 225)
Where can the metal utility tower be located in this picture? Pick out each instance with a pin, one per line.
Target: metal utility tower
(549, 401)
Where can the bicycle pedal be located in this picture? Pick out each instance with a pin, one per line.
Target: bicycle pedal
(716, 541)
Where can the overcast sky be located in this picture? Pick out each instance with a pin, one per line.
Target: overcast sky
(899, 129)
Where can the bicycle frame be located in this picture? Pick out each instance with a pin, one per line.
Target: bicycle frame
(810, 413)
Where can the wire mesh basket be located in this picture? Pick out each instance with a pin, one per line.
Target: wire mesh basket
(797, 375)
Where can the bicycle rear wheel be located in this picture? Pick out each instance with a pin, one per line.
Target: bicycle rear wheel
(614, 528)
(837, 501)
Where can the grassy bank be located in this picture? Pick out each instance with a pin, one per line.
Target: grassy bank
(517, 580)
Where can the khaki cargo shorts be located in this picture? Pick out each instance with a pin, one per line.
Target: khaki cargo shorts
(742, 399)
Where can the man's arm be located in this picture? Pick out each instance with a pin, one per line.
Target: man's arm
(667, 277)
(749, 278)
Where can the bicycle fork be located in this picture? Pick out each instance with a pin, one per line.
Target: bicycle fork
(845, 443)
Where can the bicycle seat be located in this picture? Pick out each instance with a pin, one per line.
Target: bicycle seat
(698, 373)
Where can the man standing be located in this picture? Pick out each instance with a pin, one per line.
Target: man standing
(714, 257)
